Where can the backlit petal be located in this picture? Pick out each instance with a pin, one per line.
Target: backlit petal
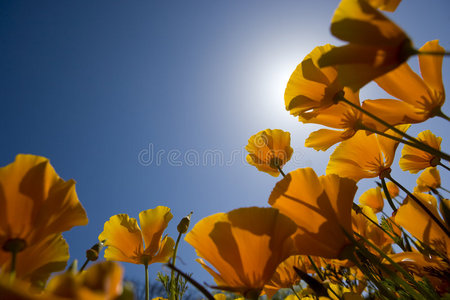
(228, 243)
(123, 238)
(372, 198)
(415, 220)
(313, 204)
(431, 67)
(153, 223)
(323, 139)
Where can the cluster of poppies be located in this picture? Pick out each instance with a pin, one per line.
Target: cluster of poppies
(315, 239)
(331, 245)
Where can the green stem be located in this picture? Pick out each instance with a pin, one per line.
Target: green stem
(84, 265)
(316, 268)
(407, 276)
(433, 53)
(439, 113)
(444, 166)
(295, 293)
(444, 189)
(432, 216)
(426, 148)
(12, 273)
(379, 227)
(281, 171)
(201, 288)
(405, 236)
(367, 272)
(418, 145)
(146, 282)
(174, 283)
(388, 196)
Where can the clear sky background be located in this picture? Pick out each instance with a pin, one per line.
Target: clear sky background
(96, 86)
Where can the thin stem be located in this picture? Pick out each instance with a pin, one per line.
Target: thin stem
(406, 237)
(418, 145)
(12, 273)
(146, 282)
(444, 189)
(379, 227)
(316, 268)
(433, 53)
(432, 216)
(281, 171)
(173, 284)
(84, 265)
(407, 276)
(439, 113)
(330, 289)
(295, 293)
(429, 149)
(201, 288)
(444, 166)
(388, 196)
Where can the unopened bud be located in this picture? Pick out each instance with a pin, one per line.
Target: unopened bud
(183, 226)
(73, 268)
(93, 252)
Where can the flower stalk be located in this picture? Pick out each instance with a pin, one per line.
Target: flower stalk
(416, 143)
(146, 281)
(387, 194)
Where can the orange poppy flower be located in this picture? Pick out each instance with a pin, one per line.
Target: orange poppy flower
(36, 262)
(100, 281)
(414, 219)
(285, 276)
(269, 150)
(35, 202)
(376, 44)
(419, 98)
(420, 265)
(245, 246)
(320, 206)
(369, 230)
(311, 88)
(364, 156)
(429, 178)
(414, 160)
(125, 240)
(340, 116)
(392, 189)
(372, 198)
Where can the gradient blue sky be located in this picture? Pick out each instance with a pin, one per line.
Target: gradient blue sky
(93, 84)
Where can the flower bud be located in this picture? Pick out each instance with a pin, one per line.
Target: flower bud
(93, 252)
(184, 223)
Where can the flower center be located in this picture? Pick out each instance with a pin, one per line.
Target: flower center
(14, 245)
(384, 173)
(435, 161)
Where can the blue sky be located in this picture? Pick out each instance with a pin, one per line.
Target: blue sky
(93, 85)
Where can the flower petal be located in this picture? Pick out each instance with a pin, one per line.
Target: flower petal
(62, 210)
(358, 22)
(394, 112)
(24, 186)
(312, 203)
(431, 66)
(165, 252)
(153, 223)
(372, 198)
(123, 238)
(323, 139)
(417, 222)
